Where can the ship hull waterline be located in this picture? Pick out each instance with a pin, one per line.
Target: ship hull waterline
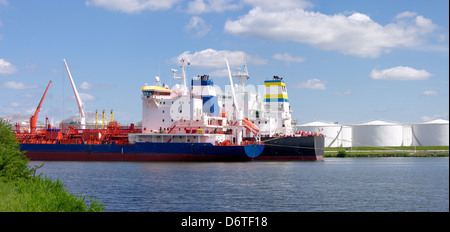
(141, 152)
(275, 149)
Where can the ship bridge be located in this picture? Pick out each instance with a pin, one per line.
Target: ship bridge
(155, 91)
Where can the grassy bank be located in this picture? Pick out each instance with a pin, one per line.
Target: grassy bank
(42, 195)
(22, 191)
(411, 151)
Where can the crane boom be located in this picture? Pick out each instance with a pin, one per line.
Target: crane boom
(237, 112)
(233, 94)
(77, 97)
(33, 118)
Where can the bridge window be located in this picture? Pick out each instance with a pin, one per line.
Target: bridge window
(148, 93)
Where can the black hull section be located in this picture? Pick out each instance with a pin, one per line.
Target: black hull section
(292, 148)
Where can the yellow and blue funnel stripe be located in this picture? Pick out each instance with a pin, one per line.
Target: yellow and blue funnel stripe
(275, 97)
(274, 83)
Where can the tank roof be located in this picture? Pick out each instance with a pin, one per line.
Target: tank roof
(437, 121)
(377, 123)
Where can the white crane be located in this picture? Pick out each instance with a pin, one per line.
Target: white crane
(237, 112)
(77, 97)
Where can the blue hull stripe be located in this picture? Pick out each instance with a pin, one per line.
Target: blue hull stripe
(169, 148)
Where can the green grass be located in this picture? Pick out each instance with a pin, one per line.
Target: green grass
(42, 195)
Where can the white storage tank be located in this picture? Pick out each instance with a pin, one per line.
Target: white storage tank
(377, 134)
(331, 131)
(407, 135)
(432, 133)
(346, 136)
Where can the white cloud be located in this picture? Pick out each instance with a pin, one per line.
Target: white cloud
(207, 6)
(288, 58)
(430, 93)
(313, 84)
(17, 85)
(406, 14)
(133, 6)
(86, 86)
(356, 35)
(197, 27)
(210, 58)
(399, 73)
(7, 68)
(86, 97)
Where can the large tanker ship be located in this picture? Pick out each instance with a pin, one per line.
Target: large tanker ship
(178, 124)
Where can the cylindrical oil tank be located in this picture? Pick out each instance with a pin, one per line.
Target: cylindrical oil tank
(432, 133)
(377, 134)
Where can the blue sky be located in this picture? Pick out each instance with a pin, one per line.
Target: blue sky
(349, 61)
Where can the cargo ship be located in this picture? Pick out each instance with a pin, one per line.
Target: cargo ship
(178, 124)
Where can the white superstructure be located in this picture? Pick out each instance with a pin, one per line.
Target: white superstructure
(179, 115)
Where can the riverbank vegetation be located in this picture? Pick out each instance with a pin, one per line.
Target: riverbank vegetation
(407, 151)
(22, 191)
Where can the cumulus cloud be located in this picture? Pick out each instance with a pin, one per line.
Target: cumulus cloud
(133, 6)
(399, 73)
(197, 27)
(430, 93)
(313, 84)
(210, 58)
(208, 6)
(17, 85)
(7, 68)
(356, 34)
(86, 97)
(288, 58)
(86, 86)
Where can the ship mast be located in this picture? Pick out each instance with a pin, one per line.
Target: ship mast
(242, 76)
(77, 97)
(183, 77)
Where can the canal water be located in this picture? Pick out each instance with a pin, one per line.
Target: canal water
(332, 185)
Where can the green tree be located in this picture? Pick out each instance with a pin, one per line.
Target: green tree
(13, 162)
